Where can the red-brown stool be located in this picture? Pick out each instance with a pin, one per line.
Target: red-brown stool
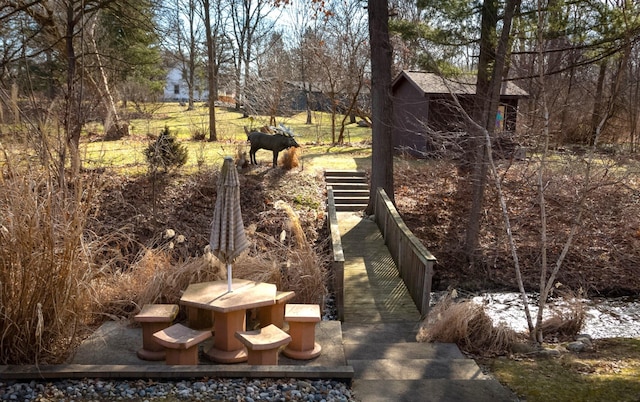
(263, 344)
(302, 319)
(274, 313)
(181, 343)
(154, 318)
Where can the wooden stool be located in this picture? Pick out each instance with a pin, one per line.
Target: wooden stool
(263, 344)
(154, 318)
(181, 343)
(302, 319)
(274, 314)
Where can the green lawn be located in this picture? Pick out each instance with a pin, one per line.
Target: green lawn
(315, 140)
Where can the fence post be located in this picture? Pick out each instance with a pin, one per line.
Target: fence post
(338, 253)
(426, 288)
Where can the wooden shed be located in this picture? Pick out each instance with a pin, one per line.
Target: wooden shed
(424, 101)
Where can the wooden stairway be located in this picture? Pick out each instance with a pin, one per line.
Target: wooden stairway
(389, 365)
(350, 189)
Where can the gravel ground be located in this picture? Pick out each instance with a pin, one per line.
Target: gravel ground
(232, 390)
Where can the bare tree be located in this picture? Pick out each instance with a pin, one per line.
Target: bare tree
(303, 23)
(249, 22)
(212, 34)
(68, 35)
(60, 27)
(592, 173)
(340, 53)
(186, 43)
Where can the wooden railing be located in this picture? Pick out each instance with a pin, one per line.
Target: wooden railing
(338, 254)
(414, 261)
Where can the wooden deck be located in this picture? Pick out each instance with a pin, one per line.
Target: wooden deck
(373, 291)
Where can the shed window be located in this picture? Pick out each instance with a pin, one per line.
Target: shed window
(176, 89)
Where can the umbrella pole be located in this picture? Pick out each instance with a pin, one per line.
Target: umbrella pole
(229, 276)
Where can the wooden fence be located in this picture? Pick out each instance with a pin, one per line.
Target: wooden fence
(338, 254)
(414, 261)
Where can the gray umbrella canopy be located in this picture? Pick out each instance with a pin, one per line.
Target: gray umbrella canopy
(228, 239)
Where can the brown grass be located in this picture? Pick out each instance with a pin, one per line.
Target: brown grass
(565, 324)
(45, 265)
(154, 278)
(301, 268)
(466, 324)
(290, 158)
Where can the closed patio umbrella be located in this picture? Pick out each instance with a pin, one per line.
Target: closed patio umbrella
(228, 239)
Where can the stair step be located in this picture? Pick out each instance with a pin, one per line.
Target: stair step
(431, 390)
(350, 207)
(334, 173)
(351, 193)
(344, 179)
(379, 333)
(348, 186)
(351, 200)
(400, 351)
(416, 369)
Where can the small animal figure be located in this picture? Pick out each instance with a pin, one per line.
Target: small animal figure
(242, 161)
(277, 142)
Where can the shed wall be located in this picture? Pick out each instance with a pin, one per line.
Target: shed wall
(410, 114)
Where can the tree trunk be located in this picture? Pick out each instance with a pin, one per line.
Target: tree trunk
(212, 82)
(349, 114)
(381, 107)
(191, 71)
(491, 67)
(598, 101)
(72, 105)
(478, 151)
(114, 128)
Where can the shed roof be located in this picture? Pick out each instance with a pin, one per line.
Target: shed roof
(430, 83)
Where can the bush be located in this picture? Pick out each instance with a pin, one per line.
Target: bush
(165, 152)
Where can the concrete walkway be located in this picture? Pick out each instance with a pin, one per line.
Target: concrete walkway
(380, 327)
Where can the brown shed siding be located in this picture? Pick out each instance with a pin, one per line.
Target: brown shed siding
(422, 99)
(410, 113)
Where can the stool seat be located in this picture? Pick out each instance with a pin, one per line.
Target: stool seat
(302, 313)
(157, 313)
(181, 343)
(302, 319)
(263, 344)
(154, 318)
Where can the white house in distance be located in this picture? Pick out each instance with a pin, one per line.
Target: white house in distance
(176, 88)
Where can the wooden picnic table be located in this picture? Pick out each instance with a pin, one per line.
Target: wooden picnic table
(230, 312)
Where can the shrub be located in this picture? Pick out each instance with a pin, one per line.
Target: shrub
(165, 152)
(198, 135)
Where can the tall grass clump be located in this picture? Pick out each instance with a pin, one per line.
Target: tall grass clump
(466, 324)
(154, 278)
(45, 271)
(291, 158)
(289, 262)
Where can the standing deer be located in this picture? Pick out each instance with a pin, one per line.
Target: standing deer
(283, 139)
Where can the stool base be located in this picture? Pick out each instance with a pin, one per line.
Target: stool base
(303, 354)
